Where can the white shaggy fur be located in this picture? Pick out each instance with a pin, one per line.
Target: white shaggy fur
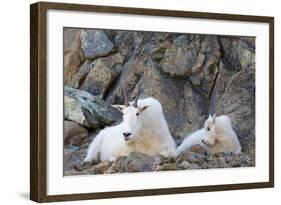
(149, 134)
(216, 136)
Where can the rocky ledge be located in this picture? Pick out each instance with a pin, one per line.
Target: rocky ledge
(196, 158)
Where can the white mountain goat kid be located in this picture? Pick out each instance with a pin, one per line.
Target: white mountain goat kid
(216, 136)
(143, 129)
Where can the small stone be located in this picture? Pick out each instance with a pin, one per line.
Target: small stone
(194, 166)
(98, 169)
(139, 162)
(184, 165)
(221, 162)
(166, 167)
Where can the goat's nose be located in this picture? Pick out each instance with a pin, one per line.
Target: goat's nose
(203, 141)
(127, 134)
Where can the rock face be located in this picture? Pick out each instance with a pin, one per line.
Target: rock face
(239, 52)
(73, 54)
(102, 75)
(191, 75)
(78, 78)
(74, 134)
(88, 110)
(71, 39)
(73, 111)
(95, 43)
(72, 61)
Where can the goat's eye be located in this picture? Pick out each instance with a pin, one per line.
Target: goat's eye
(208, 128)
(137, 114)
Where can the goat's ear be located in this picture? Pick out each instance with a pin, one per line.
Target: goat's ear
(119, 107)
(144, 108)
(210, 116)
(214, 118)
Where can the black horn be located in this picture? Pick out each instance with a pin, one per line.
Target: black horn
(137, 96)
(126, 96)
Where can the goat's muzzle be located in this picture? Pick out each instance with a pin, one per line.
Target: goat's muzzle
(127, 135)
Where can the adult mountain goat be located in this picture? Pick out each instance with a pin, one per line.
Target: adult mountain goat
(143, 129)
(216, 136)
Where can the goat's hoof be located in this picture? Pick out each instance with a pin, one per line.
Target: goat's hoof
(84, 163)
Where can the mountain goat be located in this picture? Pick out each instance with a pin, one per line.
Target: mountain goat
(216, 136)
(143, 129)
